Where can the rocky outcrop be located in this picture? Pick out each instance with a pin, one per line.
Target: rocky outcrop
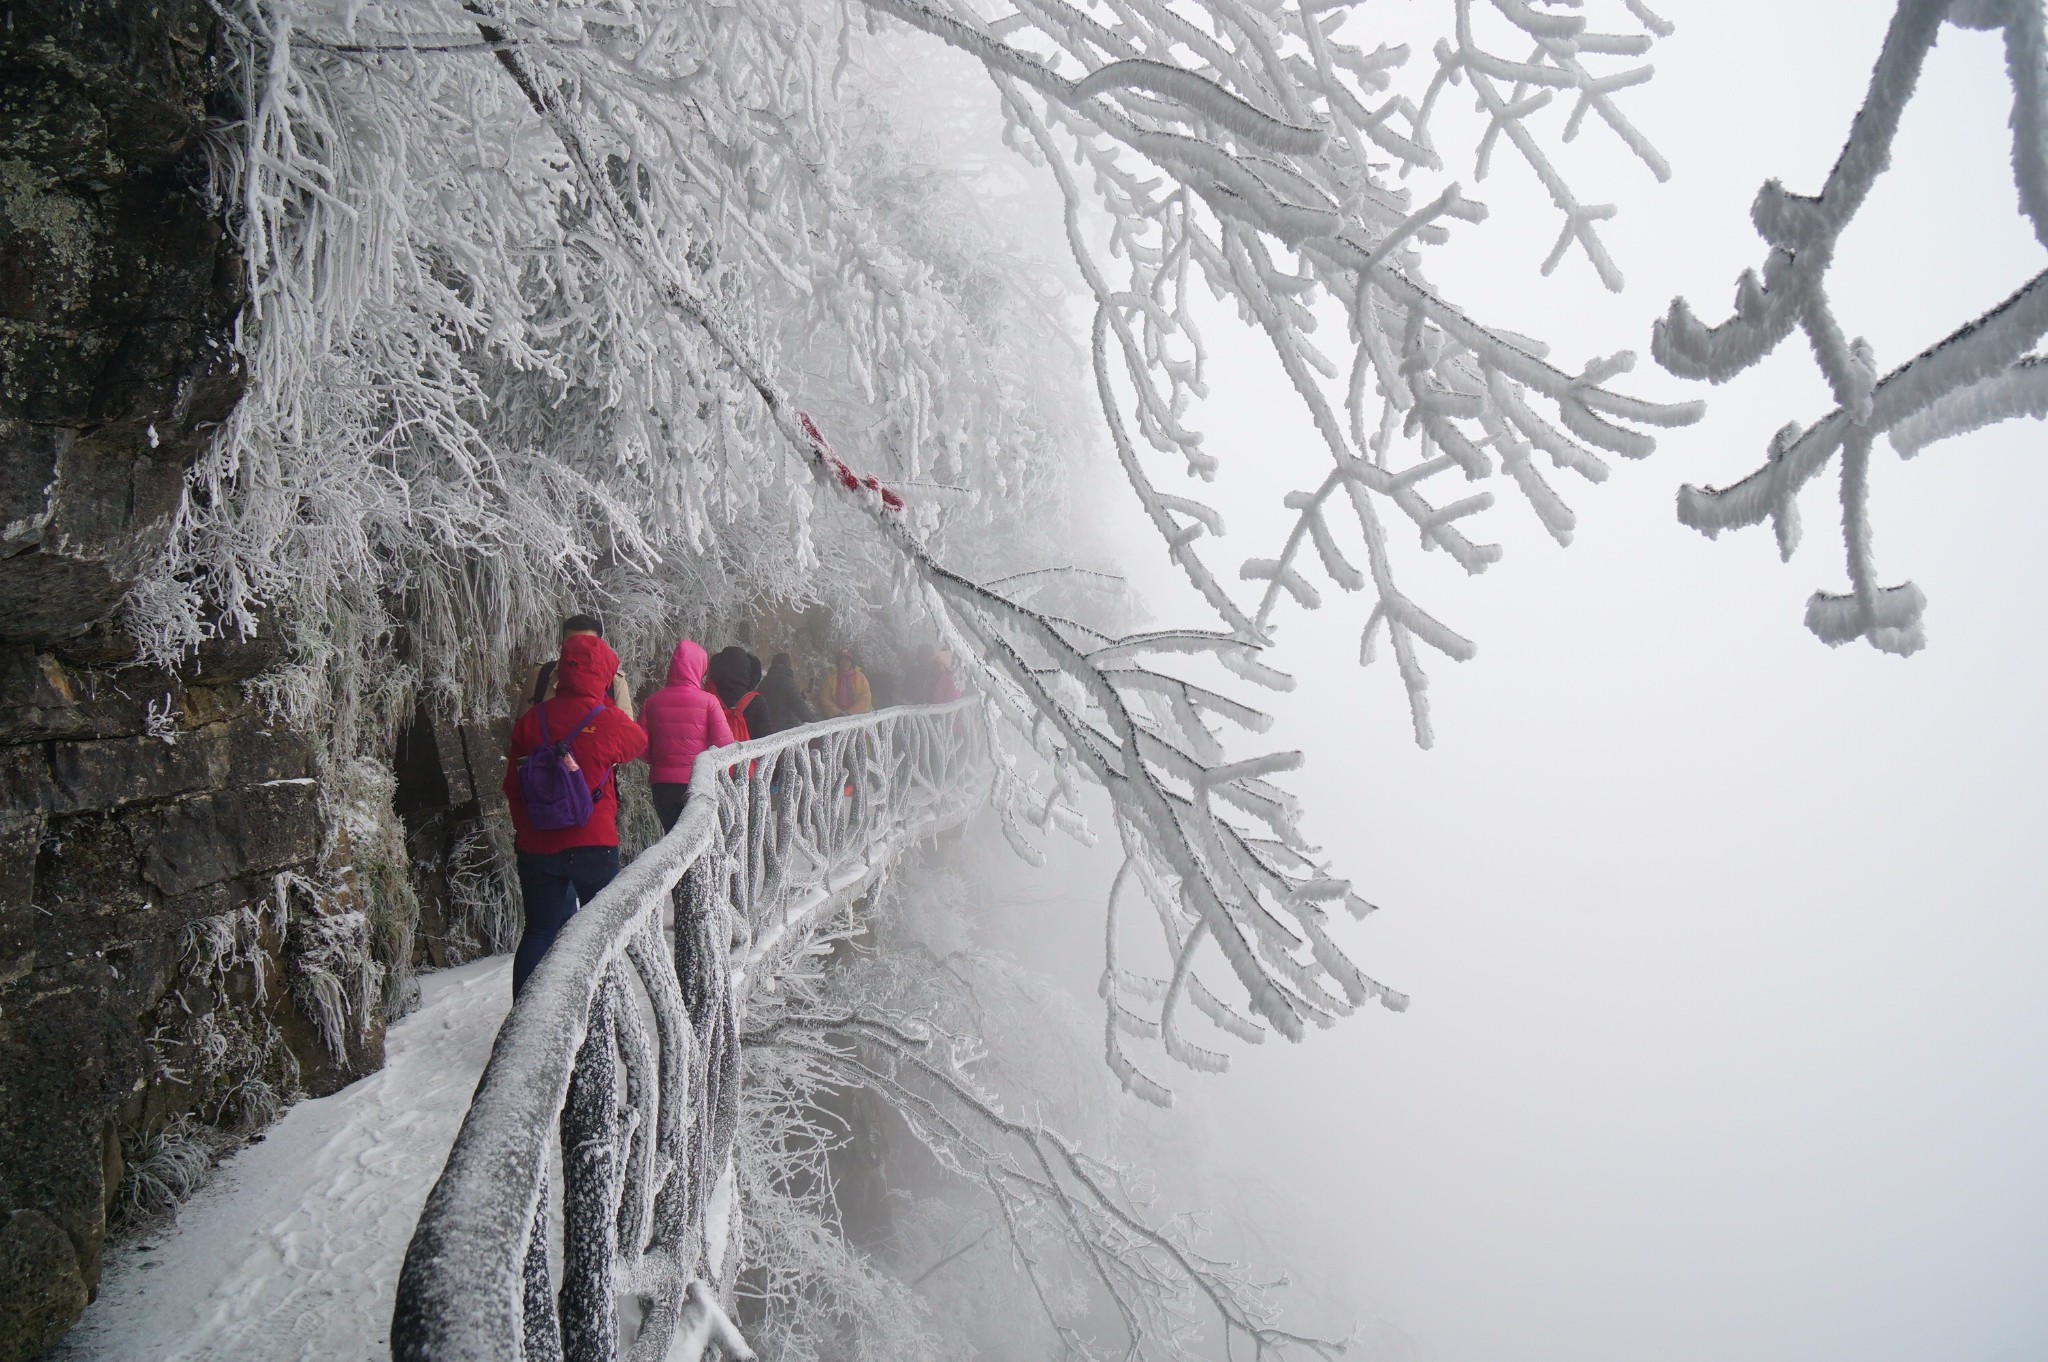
(171, 941)
(163, 898)
(117, 289)
(188, 937)
(456, 837)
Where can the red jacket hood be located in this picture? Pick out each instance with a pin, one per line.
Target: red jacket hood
(686, 668)
(587, 667)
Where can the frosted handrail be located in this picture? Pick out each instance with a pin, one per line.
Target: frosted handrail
(773, 831)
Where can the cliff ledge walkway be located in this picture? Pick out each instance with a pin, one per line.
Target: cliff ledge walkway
(583, 1206)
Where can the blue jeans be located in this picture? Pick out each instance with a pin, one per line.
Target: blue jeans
(553, 884)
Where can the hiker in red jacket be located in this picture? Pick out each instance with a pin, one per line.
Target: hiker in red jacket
(561, 863)
(683, 719)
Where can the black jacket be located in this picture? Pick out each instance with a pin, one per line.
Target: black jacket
(784, 702)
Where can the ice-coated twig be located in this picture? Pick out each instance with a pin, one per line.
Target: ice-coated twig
(1052, 1199)
(1981, 373)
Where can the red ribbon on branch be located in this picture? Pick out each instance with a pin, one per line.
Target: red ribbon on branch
(845, 476)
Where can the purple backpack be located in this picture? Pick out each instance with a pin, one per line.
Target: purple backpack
(551, 784)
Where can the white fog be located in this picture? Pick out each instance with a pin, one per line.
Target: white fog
(1728, 1036)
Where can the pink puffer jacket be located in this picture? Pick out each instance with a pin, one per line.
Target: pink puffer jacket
(682, 718)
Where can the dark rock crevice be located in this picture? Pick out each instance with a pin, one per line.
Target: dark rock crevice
(453, 810)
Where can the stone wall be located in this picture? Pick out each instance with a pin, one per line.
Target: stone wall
(165, 919)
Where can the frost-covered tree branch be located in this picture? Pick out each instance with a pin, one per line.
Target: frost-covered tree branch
(1092, 1246)
(1235, 154)
(1981, 373)
(1240, 154)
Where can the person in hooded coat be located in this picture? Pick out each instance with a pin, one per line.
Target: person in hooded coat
(782, 698)
(544, 675)
(560, 868)
(683, 718)
(734, 676)
(845, 689)
(935, 683)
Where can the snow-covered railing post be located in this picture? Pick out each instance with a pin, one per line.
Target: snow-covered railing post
(590, 1190)
(703, 935)
(540, 1330)
(627, 1039)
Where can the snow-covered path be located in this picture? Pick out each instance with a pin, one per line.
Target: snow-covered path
(292, 1250)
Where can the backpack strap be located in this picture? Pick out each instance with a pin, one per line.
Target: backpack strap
(540, 714)
(588, 720)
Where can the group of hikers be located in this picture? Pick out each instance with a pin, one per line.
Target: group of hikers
(582, 724)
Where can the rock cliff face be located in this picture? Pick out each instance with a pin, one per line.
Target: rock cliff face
(167, 929)
(179, 946)
(189, 939)
(116, 293)
(457, 838)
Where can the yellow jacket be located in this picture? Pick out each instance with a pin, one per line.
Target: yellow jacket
(828, 695)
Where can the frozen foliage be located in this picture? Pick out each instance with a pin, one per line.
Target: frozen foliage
(815, 1294)
(335, 979)
(562, 297)
(469, 409)
(1981, 373)
(483, 907)
(215, 1036)
(947, 1044)
(161, 721)
(366, 847)
(166, 1166)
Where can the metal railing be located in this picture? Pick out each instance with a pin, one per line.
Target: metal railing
(626, 1038)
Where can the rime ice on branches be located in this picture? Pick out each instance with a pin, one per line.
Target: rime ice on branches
(1255, 151)
(541, 291)
(1981, 373)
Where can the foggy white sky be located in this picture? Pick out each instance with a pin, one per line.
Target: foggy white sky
(1729, 1034)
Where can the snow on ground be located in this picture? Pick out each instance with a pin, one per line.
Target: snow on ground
(292, 1250)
